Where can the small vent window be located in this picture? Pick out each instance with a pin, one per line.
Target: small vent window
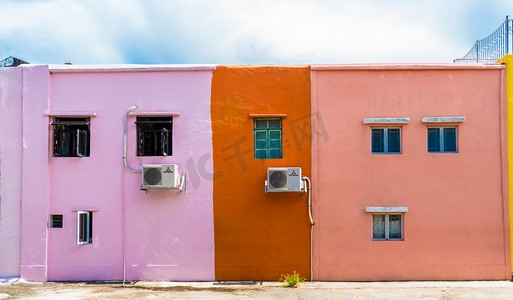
(71, 137)
(154, 136)
(55, 221)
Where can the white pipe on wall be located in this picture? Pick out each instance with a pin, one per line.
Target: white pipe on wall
(124, 141)
(123, 221)
(312, 223)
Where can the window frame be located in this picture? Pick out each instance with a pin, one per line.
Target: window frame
(159, 147)
(268, 138)
(68, 125)
(88, 226)
(387, 226)
(385, 139)
(441, 138)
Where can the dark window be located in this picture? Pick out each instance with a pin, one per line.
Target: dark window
(84, 227)
(378, 140)
(386, 140)
(434, 139)
(71, 137)
(154, 136)
(450, 139)
(55, 221)
(394, 140)
(442, 139)
(268, 138)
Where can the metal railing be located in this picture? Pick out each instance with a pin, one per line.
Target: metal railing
(491, 48)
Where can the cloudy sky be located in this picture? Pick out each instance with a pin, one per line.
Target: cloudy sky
(245, 31)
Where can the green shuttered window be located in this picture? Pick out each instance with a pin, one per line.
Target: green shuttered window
(268, 138)
(442, 139)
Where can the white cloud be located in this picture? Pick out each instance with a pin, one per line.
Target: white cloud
(243, 31)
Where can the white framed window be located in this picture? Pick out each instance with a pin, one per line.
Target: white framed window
(386, 140)
(84, 227)
(442, 139)
(387, 226)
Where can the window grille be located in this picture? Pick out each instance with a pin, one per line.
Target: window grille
(71, 137)
(154, 136)
(55, 221)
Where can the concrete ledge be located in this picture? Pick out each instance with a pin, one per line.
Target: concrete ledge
(386, 209)
(142, 113)
(71, 114)
(443, 119)
(267, 115)
(391, 121)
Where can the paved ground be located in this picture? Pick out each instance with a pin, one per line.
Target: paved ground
(18, 289)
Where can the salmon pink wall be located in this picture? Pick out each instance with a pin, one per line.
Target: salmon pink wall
(168, 234)
(259, 236)
(508, 60)
(457, 225)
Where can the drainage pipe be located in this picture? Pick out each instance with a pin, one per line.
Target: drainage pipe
(312, 223)
(123, 213)
(124, 141)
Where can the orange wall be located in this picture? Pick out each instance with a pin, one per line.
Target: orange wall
(259, 236)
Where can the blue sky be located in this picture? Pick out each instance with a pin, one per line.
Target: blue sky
(245, 32)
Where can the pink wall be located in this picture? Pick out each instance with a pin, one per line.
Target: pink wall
(10, 173)
(456, 227)
(169, 234)
(35, 192)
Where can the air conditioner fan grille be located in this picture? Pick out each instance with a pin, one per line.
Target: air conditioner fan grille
(278, 179)
(153, 176)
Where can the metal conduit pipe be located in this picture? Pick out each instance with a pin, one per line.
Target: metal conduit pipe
(124, 141)
(123, 221)
(312, 223)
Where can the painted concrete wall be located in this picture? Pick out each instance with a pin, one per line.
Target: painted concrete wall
(259, 236)
(457, 224)
(35, 189)
(10, 172)
(169, 234)
(456, 227)
(508, 60)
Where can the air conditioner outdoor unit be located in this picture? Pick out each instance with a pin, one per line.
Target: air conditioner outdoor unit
(284, 180)
(160, 177)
